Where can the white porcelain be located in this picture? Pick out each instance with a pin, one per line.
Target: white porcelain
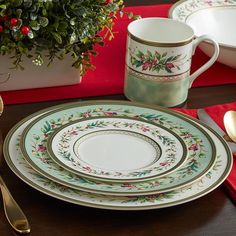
(201, 149)
(211, 180)
(59, 73)
(117, 149)
(216, 18)
(158, 57)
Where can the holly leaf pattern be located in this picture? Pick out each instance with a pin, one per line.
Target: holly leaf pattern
(156, 61)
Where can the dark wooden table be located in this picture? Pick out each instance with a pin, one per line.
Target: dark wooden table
(213, 214)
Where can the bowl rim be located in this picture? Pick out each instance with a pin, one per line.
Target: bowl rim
(204, 5)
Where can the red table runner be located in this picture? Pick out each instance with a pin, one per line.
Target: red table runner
(108, 77)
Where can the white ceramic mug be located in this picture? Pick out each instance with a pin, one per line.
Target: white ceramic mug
(158, 61)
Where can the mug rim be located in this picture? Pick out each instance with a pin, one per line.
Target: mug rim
(158, 43)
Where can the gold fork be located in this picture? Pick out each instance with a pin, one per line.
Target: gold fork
(13, 212)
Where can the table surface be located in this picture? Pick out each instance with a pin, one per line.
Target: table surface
(213, 214)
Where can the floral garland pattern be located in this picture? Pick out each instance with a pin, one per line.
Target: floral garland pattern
(156, 61)
(183, 10)
(139, 199)
(194, 144)
(170, 154)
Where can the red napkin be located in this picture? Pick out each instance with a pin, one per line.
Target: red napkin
(217, 113)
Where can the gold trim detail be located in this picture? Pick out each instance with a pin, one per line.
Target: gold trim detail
(76, 199)
(168, 78)
(187, 11)
(159, 44)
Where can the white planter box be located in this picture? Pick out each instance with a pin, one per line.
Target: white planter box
(59, 73)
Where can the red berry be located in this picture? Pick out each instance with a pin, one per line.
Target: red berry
(25, 30)
(3, 18)
(108, 2)
(13, 22)
(1, 28)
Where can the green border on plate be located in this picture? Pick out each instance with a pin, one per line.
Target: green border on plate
(112, 192)
(80, 173)
(52, 193)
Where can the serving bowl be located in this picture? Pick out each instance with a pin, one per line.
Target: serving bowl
(216, 18)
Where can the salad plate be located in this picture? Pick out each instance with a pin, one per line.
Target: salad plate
(207, 183)
(201, 148)
(117, 149)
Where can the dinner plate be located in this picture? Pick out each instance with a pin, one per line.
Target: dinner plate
(202, 153)
(117, 149)
(211, 180)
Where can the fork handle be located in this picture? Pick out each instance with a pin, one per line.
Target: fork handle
(13, 212)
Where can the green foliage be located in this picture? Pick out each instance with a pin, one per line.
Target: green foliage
(58, 26)
(156, 61)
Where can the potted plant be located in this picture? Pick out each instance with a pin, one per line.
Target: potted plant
(51, 39)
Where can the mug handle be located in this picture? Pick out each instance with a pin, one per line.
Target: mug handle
(213, 58)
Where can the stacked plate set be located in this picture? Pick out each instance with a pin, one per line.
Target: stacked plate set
(117, 155)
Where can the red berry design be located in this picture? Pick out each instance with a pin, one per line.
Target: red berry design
(108, 2)
(1, 28)
(25, 30)
(3, 18)
(13, 22)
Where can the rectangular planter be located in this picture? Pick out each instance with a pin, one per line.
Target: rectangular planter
(59, 73)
